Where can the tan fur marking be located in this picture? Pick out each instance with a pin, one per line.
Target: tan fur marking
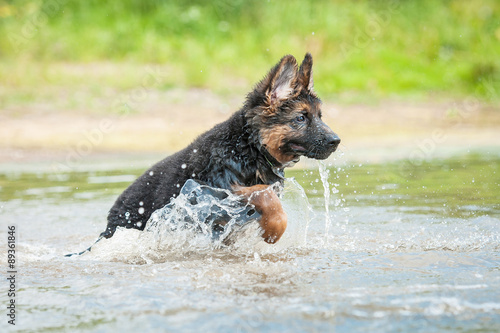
(272, 140)
(312, 108)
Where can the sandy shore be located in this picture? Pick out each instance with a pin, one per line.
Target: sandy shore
(167, 121)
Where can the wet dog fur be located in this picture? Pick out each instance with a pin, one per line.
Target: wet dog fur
(279, 122)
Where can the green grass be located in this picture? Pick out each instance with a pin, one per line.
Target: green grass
(367, 48)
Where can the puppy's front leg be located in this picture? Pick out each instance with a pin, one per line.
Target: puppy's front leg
(267, 203)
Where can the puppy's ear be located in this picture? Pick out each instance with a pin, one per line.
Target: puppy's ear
(281, 81)
(305, 73)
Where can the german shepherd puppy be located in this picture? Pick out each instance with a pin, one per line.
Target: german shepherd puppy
(279, 122)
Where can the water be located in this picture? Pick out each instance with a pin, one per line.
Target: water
(409, 249)
(324, 173)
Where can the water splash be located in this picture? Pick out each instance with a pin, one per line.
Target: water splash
(299, 211)
(204, 221)
(216, 213)
(324, 173)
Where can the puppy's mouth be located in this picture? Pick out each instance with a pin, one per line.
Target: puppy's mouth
(296, 148)
(294, 151)
(318, 153)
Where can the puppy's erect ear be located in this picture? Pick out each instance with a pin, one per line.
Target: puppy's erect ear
(305, 73)
(281, 80)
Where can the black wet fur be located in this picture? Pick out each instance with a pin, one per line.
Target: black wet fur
(221, 157)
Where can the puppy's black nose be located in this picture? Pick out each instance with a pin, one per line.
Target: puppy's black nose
(333, 141)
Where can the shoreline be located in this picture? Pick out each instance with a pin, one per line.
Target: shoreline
(56, 162)
(170, 120)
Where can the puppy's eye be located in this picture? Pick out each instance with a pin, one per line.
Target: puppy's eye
(301, 118)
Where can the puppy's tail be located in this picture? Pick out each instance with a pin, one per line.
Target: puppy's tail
(87, 250)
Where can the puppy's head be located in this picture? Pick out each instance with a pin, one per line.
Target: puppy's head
(285, 114)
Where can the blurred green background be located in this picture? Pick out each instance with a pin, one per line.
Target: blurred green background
(362, 49)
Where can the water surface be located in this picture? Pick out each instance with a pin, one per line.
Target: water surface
(395, 248)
